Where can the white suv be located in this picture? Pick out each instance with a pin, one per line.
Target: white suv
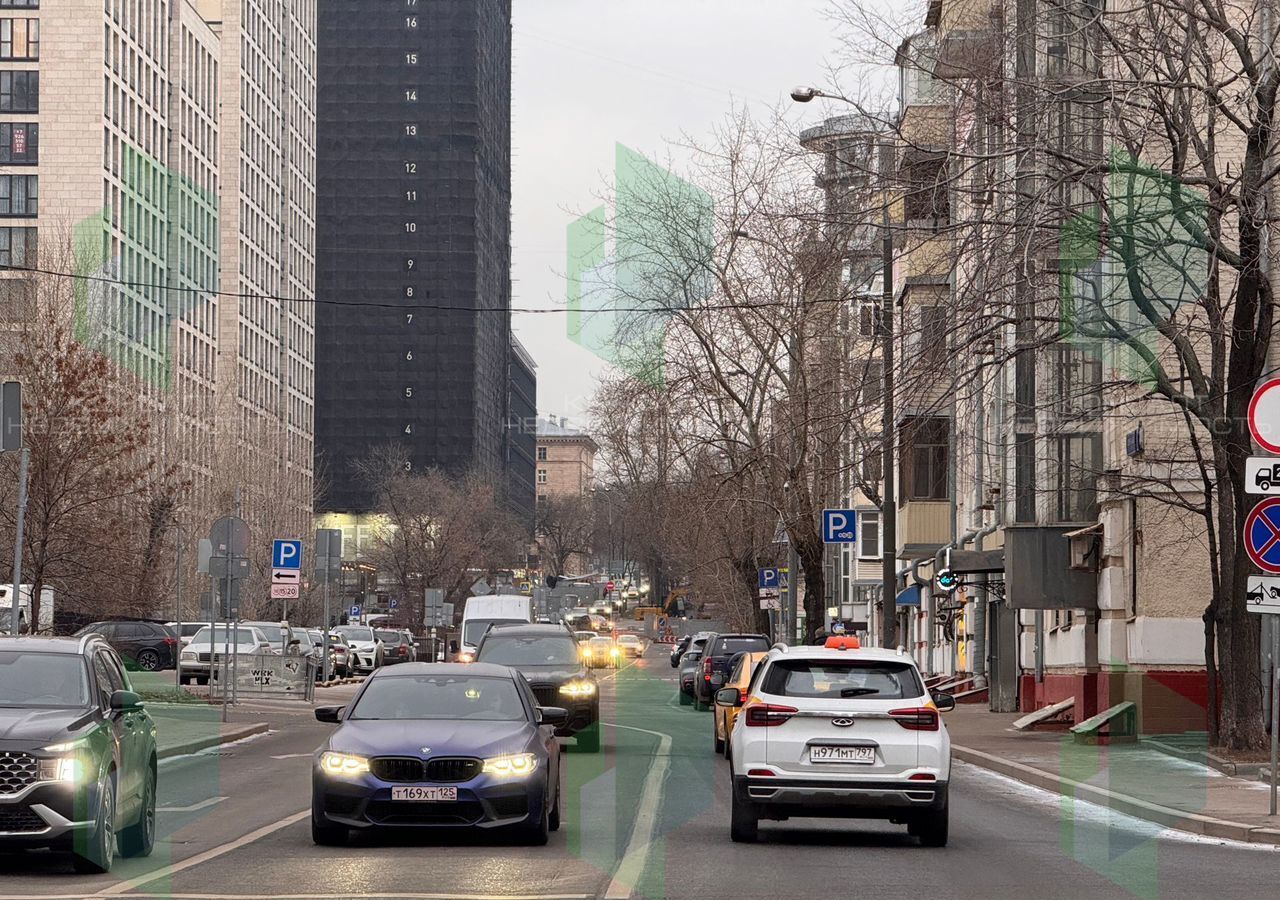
(844, 733)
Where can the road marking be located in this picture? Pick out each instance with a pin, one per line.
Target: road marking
(125, 887)
(211, 801)
(347, 894)
(292, 756)
(636, 858)
(616, 672)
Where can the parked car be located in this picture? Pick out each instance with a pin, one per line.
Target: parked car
(79, 752)
(396, 648)
(337, 653)
(439, 745)
(280, 635)
(547, 656)
(210, 642)
(365, 651)
(413, 644)
(142, 645)
(689, 666)
(855, 727)
(741, 668)
(185, 631)
(720, 648)
(678, 650)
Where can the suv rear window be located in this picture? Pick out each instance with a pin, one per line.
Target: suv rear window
(879, 679)
(727, 646)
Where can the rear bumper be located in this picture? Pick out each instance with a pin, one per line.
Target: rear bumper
(841, 799)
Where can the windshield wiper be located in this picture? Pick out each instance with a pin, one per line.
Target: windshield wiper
(858, 692)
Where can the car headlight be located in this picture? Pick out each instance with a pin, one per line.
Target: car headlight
(465, 657)
(188, 657)
(332, 763)
(613, 651)
(66, 769)
(513, 765)
(578, 688)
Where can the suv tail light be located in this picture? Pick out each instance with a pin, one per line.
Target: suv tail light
(922, 718)
(765, 714)
(169, 642)
(707, 665)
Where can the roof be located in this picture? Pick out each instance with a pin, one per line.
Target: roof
(45, 644)
(531, 629)
(865, 653)
(424, 668)
(551, 430)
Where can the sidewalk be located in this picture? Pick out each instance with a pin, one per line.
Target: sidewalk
(1129, 778)
(189, 728)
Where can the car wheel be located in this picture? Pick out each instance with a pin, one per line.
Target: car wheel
(685, 699)
(744, 819)
(589, 739)
(728, 748)
(932, 829)
(553, 821)
(148, 660)
(715, 735)
(698, 705)
(139, 839)
(326, 835)
(202, 679)
(99, 850)
(538, 832)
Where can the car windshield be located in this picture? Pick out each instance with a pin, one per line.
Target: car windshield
(43, 679)
(628, 639)
(731, 645)
(529, 650)
(601, 642)
(882, 680)
(474, 629)
(581, 636)
(274, 633)
(478, 698)
(388, 637)
(219, 635)
(355, 632)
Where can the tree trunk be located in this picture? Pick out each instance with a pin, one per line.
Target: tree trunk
(1211, 674)
(812, 560)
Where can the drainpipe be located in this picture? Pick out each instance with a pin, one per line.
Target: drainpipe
(980, 616)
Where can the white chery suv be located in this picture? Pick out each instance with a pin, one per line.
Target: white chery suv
(844, 733)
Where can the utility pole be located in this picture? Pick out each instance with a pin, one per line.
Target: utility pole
(889, 508)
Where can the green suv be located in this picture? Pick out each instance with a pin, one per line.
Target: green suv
(77, 752)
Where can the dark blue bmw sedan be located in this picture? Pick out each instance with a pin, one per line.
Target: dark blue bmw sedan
(439, 745)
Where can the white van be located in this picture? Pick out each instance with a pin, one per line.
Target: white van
(481, 612)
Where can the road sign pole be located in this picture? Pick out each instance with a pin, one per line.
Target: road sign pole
(17, 545)
(325, 657)
(1275, 708)
(177, 663)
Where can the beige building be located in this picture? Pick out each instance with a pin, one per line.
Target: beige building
(566, 459)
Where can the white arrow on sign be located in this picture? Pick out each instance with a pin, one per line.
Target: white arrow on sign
(1263, 595)
(286, 576)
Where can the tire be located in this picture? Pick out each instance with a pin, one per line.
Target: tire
(588, 739)
(553, 821)
(537, 833)
(325, 835)
(715, 735)
(728, 749)
(698, 705)
(202, 679)
(148, 660)
(744, 818)
(685, 699)
(139, 839)
(98, 853)
(931, 828)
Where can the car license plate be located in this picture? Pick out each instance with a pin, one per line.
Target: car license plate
(827, 754)
(418, 794)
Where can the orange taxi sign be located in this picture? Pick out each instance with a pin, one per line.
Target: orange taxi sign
(843, 642)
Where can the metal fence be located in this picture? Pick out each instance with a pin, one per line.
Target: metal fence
(265, 675)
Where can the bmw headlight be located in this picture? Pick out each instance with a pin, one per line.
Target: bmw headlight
(513, 765)
(340, 764)
(578, 688)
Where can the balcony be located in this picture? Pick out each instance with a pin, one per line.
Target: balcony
(923, 527)
(968, 37)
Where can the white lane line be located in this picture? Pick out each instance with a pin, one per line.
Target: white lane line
(636, 858)
(210, 801)
(125, 887)
(347, 895)
(616, 672)
(292, 756)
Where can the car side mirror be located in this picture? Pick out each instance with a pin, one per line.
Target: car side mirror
(728, 697)
(125, 701)
(330, 714)
(944, 702)
(553, 715)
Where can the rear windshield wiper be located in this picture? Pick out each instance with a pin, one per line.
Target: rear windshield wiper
(858, 692)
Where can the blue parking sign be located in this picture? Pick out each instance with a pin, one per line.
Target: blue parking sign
(286, 555)
(839, 526)
(355, 610)
(769, 578)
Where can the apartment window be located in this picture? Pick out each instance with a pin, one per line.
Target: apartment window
(866, 317)
(873, 383)
(926, 445)
(542, 476)
(18, 195)
(933, 338)
(928, 196)
(19, 91)
(18, 247)
(1078, 462)
(19, 4)
(542, 454)
(19, 143)
(1078, 381)
(19, 38)
(869, 534)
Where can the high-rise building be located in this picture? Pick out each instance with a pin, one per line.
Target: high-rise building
(413, 328)
(522, 433)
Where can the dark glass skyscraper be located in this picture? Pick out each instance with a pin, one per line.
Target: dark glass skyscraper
(413, 156)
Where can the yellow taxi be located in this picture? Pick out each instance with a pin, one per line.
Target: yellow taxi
(723, 715)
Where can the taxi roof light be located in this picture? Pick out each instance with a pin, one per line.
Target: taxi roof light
(843, 642)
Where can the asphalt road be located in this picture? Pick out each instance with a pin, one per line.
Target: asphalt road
(649, 818)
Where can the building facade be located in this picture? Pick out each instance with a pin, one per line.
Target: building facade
(521, 435)
(566, 459)
(414, 165)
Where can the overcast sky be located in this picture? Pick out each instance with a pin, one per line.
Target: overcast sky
(591, 73)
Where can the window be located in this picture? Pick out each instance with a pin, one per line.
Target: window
(542, 476)
(1078, 462)
(813, 678)
(542, 454)
(873, 383)
(867, 315)
(19, 91)
(18, 195)
(933, 338)
(18, 247)
(1078, 381)
(19, 38)
(19, 4)
(19, 143)
(869, 534)
(925, 445)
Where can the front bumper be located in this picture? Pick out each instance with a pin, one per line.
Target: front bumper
(47, 813)
(362, 660)
(483, 802)
(830, 798)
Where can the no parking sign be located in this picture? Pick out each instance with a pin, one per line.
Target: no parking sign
(1262, 535)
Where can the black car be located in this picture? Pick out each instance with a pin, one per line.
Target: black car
(142, 645)
(690, 664)
(77, 752)
(550, 659)
(396, 647)
(678, 650)
(713, 669)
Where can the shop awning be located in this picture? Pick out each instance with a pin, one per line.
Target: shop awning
(909, 596)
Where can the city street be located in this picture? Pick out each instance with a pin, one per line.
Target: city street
(649, 813)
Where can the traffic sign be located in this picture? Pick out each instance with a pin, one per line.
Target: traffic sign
(393, 603)
(839, 526)
(769, 578)
(286, 576)
(1262, 535)
(1262, 475)
(1263, 595)
(285, 591)
(355, 611)
(609, 586)
(286, 555)
(770, 601)
(229, 537)
(1264, 415)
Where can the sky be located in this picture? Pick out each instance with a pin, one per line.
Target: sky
(588, 74)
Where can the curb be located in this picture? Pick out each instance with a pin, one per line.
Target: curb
(238, 733)
(1140, 809)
